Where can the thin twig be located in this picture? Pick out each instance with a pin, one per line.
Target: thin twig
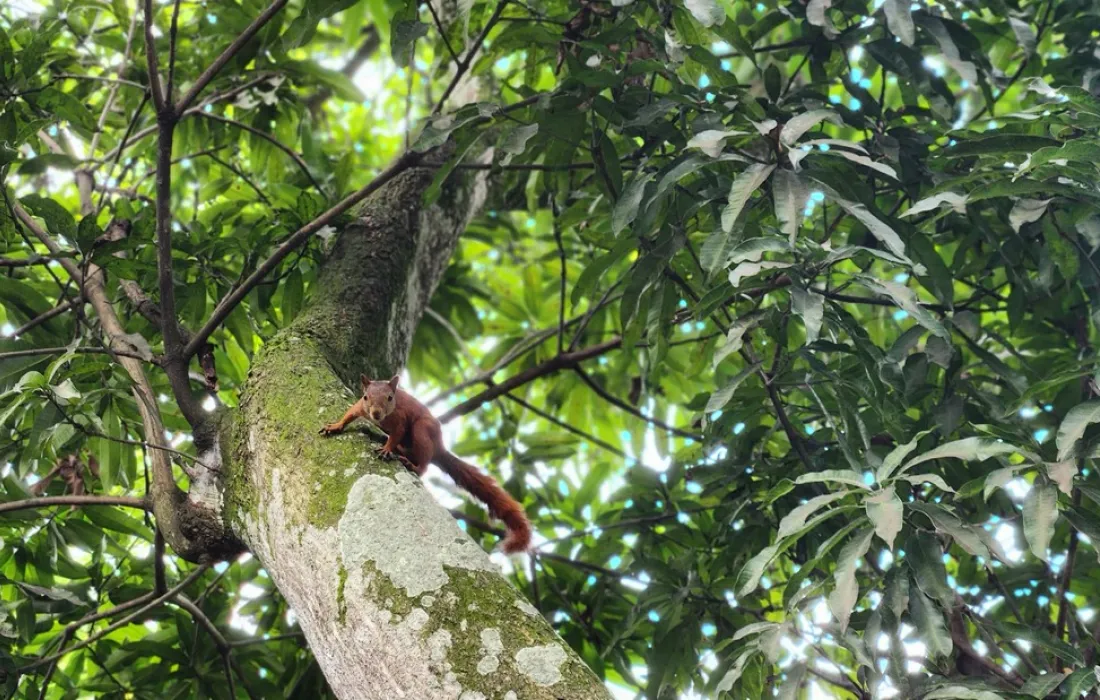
(38, 320)
(294, 155)
(464, 64)
(616, 401)
(566, 360)
(442, 32)
(48, 501)
(171, 593)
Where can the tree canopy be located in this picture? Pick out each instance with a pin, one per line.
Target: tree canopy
(778, 319)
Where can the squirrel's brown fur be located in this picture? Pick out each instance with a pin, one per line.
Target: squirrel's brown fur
(416, 438)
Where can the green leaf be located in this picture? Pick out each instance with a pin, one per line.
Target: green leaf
(1040, 515)
(841, 476)
(58, 220)
(896, 457)
(707, 12)
(796, 127)
(626, 209)
(515, 142)
(885, 509)
(403, 36)
(925, 557)
(900, 20)
(743, 186)
(1042, 685)
(1080, 682)
(967, 449)
(811, 307)
(931, 626)
(1039, 637)
(789, 194)
(906, 299)
(933, 479)
(1073, 426)
(796, 519)
(720, 398)
(846, 591)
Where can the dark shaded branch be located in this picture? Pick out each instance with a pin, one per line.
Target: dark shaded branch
(616, 401)
(152, 63)
(566, 360)
(224, 647)
(230, 301)
(48, 501)
(442, 31)
(294, 155)
(46, 316)
(227, 55)
(464, 64)
(171, 593)
(25, 262)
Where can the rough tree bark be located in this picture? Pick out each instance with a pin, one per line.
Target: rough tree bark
(394, 598)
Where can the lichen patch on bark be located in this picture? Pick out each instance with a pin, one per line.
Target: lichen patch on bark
(430, 539)
(542, 664)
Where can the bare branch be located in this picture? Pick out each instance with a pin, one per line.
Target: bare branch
(224, 647)
(49, 501)
(294, 155)
(464, 64)
(167, 496)
(32, 352)
(173, 31)
(151, 60)
(25, 262)
(171, 593)
(231, 300)
(227, 55)
(616, 401)
(566, 360)
(442, 32)
(38, 320)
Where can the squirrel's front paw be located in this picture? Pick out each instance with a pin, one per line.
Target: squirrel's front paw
(385, 453)
(330, 429)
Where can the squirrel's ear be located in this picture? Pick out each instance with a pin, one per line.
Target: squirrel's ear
(394, 380)
(364, 381)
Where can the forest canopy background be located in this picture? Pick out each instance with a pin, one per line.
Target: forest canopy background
(779, 320)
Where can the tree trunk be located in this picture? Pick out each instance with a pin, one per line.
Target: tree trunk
(395, 599)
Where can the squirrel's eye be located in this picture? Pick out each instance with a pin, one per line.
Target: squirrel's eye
(391, 398)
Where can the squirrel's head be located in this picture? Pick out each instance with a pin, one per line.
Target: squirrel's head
(379, 396)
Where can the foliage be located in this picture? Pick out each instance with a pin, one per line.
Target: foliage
(845, 253)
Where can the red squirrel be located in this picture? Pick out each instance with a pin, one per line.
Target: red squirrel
(416, 438)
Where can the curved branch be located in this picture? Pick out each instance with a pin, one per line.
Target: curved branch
(566, 360)
(298, 160)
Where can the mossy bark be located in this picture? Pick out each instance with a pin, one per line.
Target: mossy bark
(394, 598)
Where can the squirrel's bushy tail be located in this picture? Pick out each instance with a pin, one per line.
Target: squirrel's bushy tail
(501, 504)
